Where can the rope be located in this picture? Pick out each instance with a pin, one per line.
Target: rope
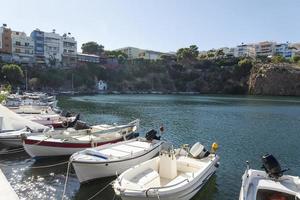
(47, 166)
(66, 181)
(97, 193)
(12, 151)
(38, 167)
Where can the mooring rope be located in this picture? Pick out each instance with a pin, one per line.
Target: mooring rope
(97, 193)
(66, 180)
(38, 167)
(18, 150)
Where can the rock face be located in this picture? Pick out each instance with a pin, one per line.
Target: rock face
(275, 79)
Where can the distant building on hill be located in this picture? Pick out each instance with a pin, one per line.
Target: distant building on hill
(101, 86)
(38, 39)
(22, 48)
(88, 58)
(69, 47)
(283, 50)
(5, 44)
(136, 53)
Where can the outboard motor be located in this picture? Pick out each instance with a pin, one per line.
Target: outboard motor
(152, 135)
(73, 123)
(199, 151)
(272, 166)
(80, 125)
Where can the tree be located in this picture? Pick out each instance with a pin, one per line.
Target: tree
(34, 83)
(121, 59)
(12, 73)
(92, 48)
(296, 59)
(187, 54)
(220, 53)
(278, 59)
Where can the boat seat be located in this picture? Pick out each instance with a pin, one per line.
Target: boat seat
(147, 178)
(186, 164)
(180, 178)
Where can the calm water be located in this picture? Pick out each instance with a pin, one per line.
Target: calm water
(244, 127)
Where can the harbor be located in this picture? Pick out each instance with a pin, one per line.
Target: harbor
(236, 123)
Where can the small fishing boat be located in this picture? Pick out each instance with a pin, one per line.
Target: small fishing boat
(71, 140)
(270, 184)
(53, 120)
(109, 160)
(175, 174)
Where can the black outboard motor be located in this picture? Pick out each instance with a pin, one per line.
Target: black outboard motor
(80, 125)
(272, 166)
(73, 123)
(152, 135)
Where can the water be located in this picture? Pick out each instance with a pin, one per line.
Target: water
(245, 128)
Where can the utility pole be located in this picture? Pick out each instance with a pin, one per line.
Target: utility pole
(26, 87)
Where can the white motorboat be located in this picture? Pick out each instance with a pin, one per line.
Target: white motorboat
(174, 174)
(112, 159)
(71, 140)
(270, 184)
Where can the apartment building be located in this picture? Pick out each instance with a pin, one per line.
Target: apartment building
(245, 50)
(135, 53)
(283, 50)
(22, 47)
(5, 38)
(38, 40)
(52, 48)
(131, 52)
(265, 48)
(69, 48)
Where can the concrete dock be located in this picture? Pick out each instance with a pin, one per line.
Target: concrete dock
(6, 191)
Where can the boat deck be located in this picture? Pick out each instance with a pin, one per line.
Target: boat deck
(115, 152)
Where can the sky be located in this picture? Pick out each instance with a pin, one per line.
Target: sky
(161, 25)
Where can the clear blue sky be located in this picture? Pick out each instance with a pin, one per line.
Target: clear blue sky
(163, 25)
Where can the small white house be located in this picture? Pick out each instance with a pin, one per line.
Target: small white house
(102, 85)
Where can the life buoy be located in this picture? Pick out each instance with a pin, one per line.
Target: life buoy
(65, 124)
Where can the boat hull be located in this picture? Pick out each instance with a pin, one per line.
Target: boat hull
(37, 148)
(90, 171)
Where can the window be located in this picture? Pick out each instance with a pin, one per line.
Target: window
(27, 52)
(18, 43)
(26, 44)
(18, 51)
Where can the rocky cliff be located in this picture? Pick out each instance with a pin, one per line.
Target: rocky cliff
(275, 79)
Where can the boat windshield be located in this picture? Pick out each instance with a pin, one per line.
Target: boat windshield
(274, 195)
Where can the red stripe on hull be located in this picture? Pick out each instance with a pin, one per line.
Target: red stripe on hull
(67, 145)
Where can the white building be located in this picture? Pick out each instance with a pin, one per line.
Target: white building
(131, 52)
(135, 53)
(150, 55)
(53, 48)
(22, 47)
(69, 44)
(244, 50)
(101, 85)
